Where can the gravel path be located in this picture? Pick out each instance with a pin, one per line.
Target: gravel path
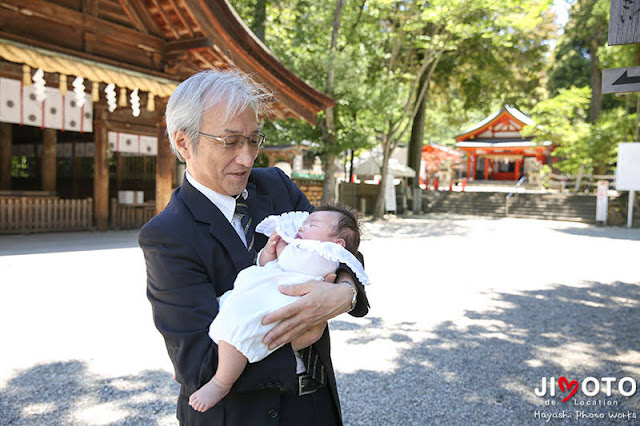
(468, 315)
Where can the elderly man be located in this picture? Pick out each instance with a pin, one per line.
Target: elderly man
(195, 248)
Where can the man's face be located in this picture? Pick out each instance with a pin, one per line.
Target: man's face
(224, 170)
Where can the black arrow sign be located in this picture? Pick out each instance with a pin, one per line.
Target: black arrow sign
(625, 79)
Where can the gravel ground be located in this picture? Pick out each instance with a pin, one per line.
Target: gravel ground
(467, 316)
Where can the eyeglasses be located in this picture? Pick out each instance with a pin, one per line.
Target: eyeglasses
(237, 141)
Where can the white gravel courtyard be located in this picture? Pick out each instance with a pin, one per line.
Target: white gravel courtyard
(467, 316)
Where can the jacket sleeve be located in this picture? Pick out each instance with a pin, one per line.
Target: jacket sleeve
(183, 302)
(362, 302)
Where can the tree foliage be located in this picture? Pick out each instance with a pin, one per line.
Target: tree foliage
(472, 55)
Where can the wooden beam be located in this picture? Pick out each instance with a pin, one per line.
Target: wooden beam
(83, 55)
(90, 7)
(180, 17)
(166, 19)
(101, 173)
(6, 136)
(49, 160)
(78, 21)
(180, 46)
(163, 160)
(133, 16)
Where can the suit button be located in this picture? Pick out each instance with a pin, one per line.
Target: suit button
(269, 385)
(277, 384)
(273, 413)
(260, 386)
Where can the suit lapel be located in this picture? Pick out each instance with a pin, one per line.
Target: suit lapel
(260, 206)
(204, 210)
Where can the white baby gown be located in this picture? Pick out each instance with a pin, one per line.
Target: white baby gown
(255, 292)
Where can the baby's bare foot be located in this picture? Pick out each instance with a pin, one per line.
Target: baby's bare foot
(208, 395)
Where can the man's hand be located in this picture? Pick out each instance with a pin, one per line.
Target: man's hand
(309, 337)
(320, 301)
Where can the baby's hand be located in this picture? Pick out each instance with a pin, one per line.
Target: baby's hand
(269, 252)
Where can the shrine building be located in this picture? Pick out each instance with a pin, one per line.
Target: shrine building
(496, 149)
(83, 90)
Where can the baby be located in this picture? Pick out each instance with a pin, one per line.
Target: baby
(325, 238)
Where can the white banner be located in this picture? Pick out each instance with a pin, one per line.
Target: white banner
(19, 105)
(53, 110)
(10, 100)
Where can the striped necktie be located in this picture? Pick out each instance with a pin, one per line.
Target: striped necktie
(312, 363)
(242, 210)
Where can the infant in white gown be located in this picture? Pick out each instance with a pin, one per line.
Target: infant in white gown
(256, 293)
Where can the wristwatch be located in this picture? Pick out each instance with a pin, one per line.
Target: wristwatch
(354, 299)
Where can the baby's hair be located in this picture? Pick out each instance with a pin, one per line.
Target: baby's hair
(348, 227)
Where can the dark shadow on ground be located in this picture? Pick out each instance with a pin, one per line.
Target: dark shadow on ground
(11, 245)
(56, 393)
(487, 373)
(616, 233)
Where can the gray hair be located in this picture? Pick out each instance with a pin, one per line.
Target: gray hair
(194, 96)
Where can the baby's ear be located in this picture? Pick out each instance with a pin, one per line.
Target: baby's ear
(341, 242)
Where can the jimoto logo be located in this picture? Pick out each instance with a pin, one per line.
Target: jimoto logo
(590, 386)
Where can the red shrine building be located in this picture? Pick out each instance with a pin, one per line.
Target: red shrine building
(496, 149)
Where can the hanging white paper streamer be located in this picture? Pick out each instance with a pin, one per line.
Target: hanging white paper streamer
(78, 89)
(110, 92)
(134, 99)
(39, 85)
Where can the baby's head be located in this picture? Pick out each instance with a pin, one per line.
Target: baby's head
(335, 223)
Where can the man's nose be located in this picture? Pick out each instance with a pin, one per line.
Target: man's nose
(245, 156)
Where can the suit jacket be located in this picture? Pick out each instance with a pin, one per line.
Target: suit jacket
(193, 255)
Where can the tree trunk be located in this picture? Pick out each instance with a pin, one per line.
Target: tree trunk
(379, 210)
(596, 81)
(259, 19)
(329, 127)
(415, 143)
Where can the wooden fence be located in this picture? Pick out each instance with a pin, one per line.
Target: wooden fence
(131, 216)
(34, 214)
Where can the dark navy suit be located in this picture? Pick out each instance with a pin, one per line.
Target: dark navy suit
(193, 255)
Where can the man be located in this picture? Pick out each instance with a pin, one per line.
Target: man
(195, 248)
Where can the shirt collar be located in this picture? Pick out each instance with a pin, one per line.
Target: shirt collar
(224, 203)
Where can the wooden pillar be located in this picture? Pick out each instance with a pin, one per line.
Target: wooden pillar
(486, 168)
(517, 169)
(468, 165)
(6, 135)
(49, 160)
(101, 173)
(163, 160)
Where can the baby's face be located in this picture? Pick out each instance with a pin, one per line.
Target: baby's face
(319, 226)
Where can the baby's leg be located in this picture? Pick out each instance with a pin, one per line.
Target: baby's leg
(231, 363)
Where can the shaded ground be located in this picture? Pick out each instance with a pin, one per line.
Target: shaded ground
(468, 314)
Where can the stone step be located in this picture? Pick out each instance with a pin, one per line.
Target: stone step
(571, 207)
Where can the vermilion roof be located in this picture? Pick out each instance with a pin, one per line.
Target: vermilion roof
(505, 115)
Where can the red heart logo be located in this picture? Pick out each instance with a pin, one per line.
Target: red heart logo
(571, 386)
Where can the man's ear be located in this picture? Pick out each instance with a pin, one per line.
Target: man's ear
(341, 242)
(183, 145)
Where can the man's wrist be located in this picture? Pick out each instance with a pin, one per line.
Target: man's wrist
(354, 290)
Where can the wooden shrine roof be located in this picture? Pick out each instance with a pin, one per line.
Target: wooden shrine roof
(165, 39)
